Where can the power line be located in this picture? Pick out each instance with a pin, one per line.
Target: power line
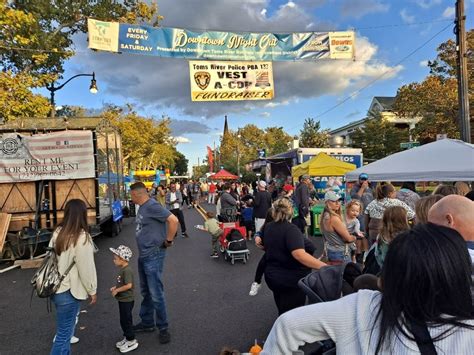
(370, 83)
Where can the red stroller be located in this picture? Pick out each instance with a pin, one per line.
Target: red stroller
(233, 242)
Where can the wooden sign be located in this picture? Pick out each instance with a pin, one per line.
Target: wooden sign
(4, 224)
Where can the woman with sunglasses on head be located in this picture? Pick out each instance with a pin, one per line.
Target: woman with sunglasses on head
(337, 238)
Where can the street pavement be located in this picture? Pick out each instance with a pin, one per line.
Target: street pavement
(207, 301)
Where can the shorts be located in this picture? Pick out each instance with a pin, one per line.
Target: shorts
(249, 225)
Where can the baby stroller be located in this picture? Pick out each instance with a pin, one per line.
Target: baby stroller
(233, 244)
(328, 284)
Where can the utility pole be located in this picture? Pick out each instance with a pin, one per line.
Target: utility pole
(462, 74)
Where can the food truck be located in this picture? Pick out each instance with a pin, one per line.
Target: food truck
(46, 162)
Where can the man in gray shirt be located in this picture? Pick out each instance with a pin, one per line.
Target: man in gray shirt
(228, 204)
(155, 231)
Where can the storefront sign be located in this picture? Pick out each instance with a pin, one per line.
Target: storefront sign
(53, 156)
(231, 81)
(216, 45)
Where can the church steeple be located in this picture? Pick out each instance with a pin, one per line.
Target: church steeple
(226, 127)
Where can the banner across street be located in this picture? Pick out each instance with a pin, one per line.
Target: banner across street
(217, 45)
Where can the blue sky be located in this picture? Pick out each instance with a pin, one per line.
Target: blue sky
(386, 32)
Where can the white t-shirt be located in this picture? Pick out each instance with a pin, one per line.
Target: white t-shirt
(348, 322)
(173, 198)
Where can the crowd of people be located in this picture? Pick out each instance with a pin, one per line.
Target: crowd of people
(401, 241)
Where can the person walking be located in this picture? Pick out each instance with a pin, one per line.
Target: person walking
(261, 204)
(174, 199)
(155, 231)
(73, 245)
(212, 193)
(228, 209)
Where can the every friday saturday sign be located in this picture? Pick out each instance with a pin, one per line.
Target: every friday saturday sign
(231, 81)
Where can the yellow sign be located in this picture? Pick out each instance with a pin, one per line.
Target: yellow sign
(231, 81)
(103, 35)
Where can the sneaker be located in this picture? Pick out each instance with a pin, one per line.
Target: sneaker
(129, 346)
(74, 340)
(140, 328)
(164, 336)
(254, 288)
(121, 343)
(214, 255)
(185, 235)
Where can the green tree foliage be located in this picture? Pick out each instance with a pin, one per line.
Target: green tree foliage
(180, 164)
(36, 38)
(245, 148)
(146, 142)
(435, 99)
(312, 136)
(379, 138)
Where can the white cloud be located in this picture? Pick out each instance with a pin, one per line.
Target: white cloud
(360, 8)
(264, 114)
(161, 83)
(424, 63)
(426, 4)
(449, 12)
(182, 140)
(406, 17)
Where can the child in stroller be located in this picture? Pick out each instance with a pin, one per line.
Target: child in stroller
(233, 244)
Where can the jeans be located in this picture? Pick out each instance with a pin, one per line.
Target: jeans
(67, 308)
(338, 256)
(179, 214)
(126, 320)
(150, 269)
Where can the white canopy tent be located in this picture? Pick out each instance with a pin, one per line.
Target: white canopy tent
(443, 160)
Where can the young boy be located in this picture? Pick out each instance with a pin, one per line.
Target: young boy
(212, 226)
(123, 292)
(247, 218)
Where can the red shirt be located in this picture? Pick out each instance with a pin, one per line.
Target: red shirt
(212, 188)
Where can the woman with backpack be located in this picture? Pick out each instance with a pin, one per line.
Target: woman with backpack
(74, 248)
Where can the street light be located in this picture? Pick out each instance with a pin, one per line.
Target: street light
(238, 154)
(52, 89)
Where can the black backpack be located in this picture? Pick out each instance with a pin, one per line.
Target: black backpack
(236, 240)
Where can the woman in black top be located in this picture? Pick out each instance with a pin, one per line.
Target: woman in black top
(286, 258)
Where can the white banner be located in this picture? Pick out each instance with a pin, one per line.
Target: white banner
(231, 81)
(52, 156)
(103, 35)
(342, 45)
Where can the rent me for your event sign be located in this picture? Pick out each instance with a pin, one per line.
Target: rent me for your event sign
(52, 156)
(224, 81)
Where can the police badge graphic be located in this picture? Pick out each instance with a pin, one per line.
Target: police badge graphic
(11, 146)
(202, 79)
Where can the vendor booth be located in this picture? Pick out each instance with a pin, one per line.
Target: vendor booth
(443, 160)
(327, 173)
(223, 175)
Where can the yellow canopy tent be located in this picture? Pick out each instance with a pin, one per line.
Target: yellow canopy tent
(322, 165)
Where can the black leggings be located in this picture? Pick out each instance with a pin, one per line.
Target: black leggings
(287, 299)
(260, 269)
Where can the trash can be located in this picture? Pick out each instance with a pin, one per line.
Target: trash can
(316, 212)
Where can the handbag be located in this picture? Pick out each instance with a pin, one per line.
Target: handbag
(422, 338)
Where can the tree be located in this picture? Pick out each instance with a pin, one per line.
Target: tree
(146, 143)
(311, 135)
(435, 99)
(36, 39)
(180, 164)
(379, 138)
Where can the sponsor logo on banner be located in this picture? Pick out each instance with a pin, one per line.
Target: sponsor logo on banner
(231, 81)
(218, 45)
(103, 35)
(53, 156)
(341, 45)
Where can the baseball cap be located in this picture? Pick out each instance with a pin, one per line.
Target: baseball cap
(332, 196)
(123, 251)
(288, 187)
(363, 176)
(262, 183)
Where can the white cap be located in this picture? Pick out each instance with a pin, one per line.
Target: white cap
(262, 183)
(332, 196)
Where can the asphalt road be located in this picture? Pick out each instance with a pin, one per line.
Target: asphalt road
(207, 301)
